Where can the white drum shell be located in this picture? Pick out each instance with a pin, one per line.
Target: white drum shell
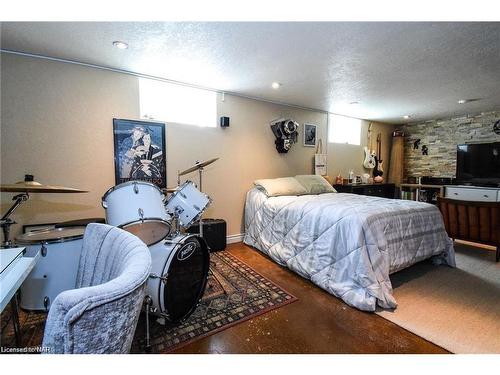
(188, 202)
(125, 202)
(54, 273)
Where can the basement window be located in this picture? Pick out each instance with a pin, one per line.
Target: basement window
(344, 129)
(169, 102)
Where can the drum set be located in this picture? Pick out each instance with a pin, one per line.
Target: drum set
(180, 261)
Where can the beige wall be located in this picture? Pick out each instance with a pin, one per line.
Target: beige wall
(57, 124)
(342, 157)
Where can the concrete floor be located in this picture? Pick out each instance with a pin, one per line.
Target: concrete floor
(317, 323)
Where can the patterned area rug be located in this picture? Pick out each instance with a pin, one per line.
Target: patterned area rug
(235, 293)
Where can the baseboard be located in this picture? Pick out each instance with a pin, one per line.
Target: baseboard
(234, 238)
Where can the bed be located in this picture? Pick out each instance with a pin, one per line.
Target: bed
(347, 244)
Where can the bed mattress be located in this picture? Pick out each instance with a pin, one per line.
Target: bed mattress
(347, 244)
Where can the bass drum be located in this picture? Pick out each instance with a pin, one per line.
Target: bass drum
(178, 276)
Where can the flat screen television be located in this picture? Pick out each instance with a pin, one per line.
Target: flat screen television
(478, 164)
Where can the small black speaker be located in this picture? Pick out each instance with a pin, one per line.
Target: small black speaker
(214, 233)
(224, 122)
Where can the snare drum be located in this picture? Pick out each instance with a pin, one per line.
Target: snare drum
(178, 277)
(188, 203)
(57, 267)
(137, 207)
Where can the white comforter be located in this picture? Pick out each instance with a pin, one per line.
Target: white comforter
(347, 244)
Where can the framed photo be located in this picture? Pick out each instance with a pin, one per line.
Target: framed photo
(309, 135)
(140, 151)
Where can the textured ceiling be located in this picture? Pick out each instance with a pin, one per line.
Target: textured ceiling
(391, 69)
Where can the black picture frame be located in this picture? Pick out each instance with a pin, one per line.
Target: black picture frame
(137, 156)
(310, 135)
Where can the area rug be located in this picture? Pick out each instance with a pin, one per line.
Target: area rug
(455, 308)
(235, 293)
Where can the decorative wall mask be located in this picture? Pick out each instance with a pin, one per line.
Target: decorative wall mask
(416, 144)
(425, 150)
(286, 133)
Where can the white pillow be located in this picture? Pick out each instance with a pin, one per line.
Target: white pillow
(315, 184)
(275, 187)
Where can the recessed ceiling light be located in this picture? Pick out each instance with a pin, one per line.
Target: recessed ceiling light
(120, 45)
(406, 117)
(463, 101)
(276, 85)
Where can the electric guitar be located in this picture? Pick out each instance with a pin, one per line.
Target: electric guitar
(369, 162)
(378, 170)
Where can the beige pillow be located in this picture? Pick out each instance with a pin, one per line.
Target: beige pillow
(275, 187)
(315, 184)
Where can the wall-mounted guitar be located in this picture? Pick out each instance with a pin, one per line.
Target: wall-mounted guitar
(369, 162)
(378, 170)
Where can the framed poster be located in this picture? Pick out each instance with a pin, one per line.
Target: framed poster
(140, 151)
(309, 135)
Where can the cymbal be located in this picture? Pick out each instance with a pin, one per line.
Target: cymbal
(36, 187)
(198, 166)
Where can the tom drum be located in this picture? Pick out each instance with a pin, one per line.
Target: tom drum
(137, 207)
(188, 203)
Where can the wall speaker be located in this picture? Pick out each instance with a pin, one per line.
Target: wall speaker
(224, 122)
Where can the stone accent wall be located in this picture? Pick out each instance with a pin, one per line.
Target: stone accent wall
(441, 138)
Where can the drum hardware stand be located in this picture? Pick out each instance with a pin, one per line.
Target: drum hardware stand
(147, 302)
(6, 221)
(200, 173)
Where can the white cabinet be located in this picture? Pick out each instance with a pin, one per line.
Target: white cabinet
(472, 193)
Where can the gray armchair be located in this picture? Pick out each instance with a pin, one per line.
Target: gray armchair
(101, 315)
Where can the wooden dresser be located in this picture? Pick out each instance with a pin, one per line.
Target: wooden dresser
(377, 190)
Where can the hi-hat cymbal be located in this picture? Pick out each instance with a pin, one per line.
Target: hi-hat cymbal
(197, 166)
(36, 187)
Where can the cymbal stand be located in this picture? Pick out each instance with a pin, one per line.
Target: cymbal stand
(200, 172)
(6, 221)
